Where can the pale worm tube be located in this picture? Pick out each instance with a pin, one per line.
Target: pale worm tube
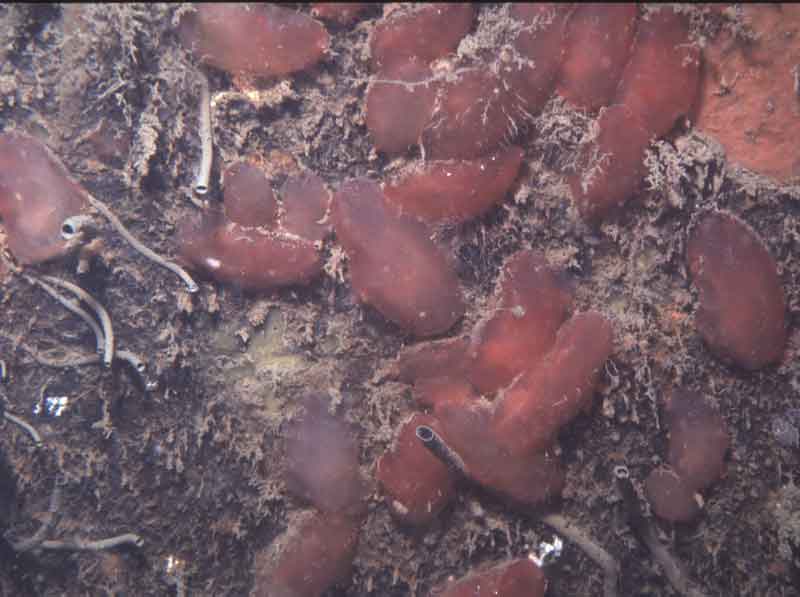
(100, 310)
(140, 247)
(206, 141)
(434, 442)
(73, 307)
(75, 225)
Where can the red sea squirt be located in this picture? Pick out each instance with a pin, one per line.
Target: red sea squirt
(36, 196)
(247, 257)
(698, 439)
(480, 109)
(456, 190)
(249, 246)
(670, 496)
(343, 13)
(399, 105)
(621, 140)
(541, 42)
(433, 359)
(305, 205)
(598, 45)
(424, 32)
(418, 485)
(517, 578)
(533, 303)
(661, 81)
(256, 40)
(524, 480)
(742, 311)
(314, 554)
(322, 460)
(394, 265)
(248, 196)
(548, 396)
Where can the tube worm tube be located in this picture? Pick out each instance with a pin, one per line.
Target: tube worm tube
(434, 443)
(140, 247)
(394, 265)
(206, 138)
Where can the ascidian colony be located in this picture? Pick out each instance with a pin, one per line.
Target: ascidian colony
(402, 299)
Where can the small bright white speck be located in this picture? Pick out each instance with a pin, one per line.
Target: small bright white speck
(548, 552)
(213, 263)
(53, 406)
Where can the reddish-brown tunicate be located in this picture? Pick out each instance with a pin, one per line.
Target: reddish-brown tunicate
(523, 479)
(433, 359)
(532, 304)
(305, 204)
(670, 496)
(517, 578)
(432, 391)
(418, 485)
(531, 411)
(698, 440)
(248, 196)
(455, 190)
(249, 247)
(697, 444)
(471, 117)
(541, 46)
(394, 265)
(613, 179)
(36, 197)
(742, 310)
(313, 555)
(598, 44)
(479, 108)
(424, 32)
(399, 105)
(343, 13)
(255, 40)
(248, 257)
(661, 80)
(322, 460)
